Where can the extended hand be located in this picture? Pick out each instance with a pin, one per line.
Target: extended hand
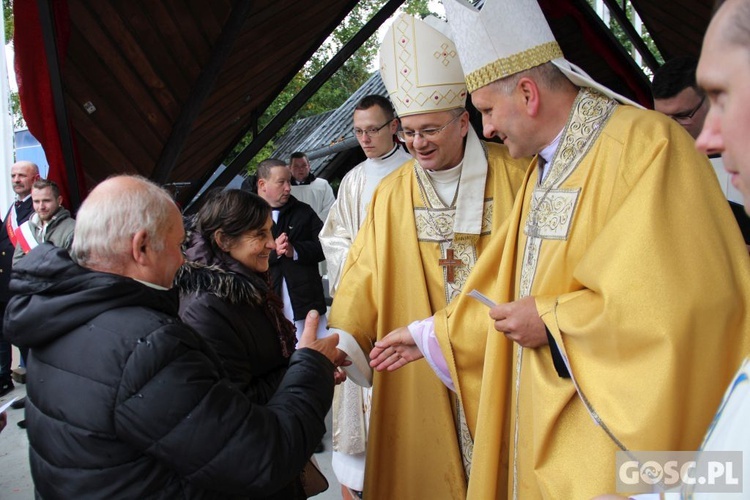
(341, 360)
(309, 339)
(395, 350)
(520, 322)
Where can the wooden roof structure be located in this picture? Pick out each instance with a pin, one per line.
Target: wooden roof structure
(166, 89)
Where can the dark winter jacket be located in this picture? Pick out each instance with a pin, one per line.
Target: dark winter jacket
(126, 401)
(299, 221)
(229, 306)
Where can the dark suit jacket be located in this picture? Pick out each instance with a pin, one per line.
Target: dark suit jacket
(300, 222)
(6, 247)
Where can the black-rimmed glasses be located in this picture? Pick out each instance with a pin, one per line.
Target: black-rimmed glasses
(372, 131)
(687, 116)
(427, 133)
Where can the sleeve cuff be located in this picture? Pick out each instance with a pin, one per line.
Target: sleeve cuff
(423, 333)
(359, 371)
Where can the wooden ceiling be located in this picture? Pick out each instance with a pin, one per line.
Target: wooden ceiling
(139, 62)
(677, 27)
(167, 88)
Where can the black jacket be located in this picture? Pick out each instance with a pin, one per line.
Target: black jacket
(24, 211)
(302, 225)
(230, 307)
(126, 401)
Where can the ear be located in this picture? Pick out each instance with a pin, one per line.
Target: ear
(261, 184)
(59, 200)
(464, 122)
(529, 93)
(139, 246)
(393, 127)
(220, 239)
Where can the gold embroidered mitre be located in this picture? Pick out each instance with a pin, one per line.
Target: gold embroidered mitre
(507, 37)
(420, 68)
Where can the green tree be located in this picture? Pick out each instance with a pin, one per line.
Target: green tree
(8, 15)
(341, 85)
(417, 8)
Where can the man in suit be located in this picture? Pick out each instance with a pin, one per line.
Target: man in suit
(23, 174)
(294, 263)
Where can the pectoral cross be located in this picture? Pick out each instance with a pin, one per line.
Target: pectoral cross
(450, 263)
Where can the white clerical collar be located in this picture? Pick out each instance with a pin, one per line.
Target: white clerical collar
(548, 152)
(389, 153)
(445, 183)
(470, 197)
(448, 175)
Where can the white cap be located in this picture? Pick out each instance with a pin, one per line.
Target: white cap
(420, 68)
(507, 37)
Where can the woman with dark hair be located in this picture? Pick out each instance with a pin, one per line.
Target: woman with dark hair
(225, 295)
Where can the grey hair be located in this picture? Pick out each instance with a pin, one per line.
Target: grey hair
(106, 225)
(546, 75)
(737, 30)
(456, 112)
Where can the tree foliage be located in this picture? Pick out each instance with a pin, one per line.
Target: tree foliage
(342, 84)
(8, 15)
(15, 101)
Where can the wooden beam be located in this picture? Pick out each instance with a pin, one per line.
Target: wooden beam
(260, 108)
(622, 18)
(201, 91)
(47, 21)
(594, 19)
(303, 96)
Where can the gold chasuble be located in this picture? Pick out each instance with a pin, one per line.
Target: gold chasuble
(393, 276)
(642, 278)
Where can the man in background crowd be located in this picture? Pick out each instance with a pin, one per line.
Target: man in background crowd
(23, 174)
(50, 223)
(307, 188)
(294, 263)
(677, 95)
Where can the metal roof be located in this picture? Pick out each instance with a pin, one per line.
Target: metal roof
(318, 136)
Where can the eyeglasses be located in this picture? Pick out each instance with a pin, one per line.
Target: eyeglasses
(372, 131)
(687, 116)
(427, 133)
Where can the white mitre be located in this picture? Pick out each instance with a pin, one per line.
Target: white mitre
(420, 68)
(507, 37)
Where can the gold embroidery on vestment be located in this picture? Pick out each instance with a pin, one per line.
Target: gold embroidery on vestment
(555, 207)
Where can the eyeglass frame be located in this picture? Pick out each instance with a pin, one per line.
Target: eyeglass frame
(424, 133)
(371, 132)
(686, 116)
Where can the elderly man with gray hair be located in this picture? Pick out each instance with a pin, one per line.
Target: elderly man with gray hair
(137, 402)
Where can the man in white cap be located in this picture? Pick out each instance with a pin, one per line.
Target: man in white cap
(625, 313)
(427, 224)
